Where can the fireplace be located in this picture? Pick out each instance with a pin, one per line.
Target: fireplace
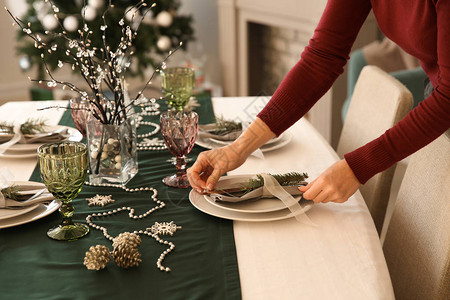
(260, 40)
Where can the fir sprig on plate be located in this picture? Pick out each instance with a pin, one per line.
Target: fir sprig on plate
(291, 178)
(11, 192)
(31, 126)
(223, 126)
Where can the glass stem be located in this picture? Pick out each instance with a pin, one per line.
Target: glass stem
(66, 210)
(181, 166)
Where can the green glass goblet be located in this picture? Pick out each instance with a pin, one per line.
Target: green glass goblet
(63, 168)
(178, 86)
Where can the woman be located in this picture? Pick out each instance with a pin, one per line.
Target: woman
(420, 27)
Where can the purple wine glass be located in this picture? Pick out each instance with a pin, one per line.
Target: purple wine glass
(80, 111)
(179, 131)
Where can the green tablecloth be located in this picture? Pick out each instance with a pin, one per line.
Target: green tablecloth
(204, 265)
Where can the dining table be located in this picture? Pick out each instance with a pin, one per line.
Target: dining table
(332, 253)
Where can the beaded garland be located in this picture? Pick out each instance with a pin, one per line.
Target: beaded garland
(153, 232)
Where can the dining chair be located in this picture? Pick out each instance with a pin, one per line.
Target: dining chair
(379, 101)
(417, 244)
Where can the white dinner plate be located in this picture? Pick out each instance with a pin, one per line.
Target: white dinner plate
(36, 214)
(199, 202)
(281, 141)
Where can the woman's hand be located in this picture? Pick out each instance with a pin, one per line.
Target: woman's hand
(210, 165)
(335, 184)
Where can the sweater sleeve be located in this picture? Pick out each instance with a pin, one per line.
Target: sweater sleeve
(320, 64)
(422, 125)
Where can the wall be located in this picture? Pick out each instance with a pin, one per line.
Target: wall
(14, 84)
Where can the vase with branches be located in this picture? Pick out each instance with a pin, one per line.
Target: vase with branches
(102, 67)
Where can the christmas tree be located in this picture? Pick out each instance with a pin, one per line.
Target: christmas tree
(159, 28)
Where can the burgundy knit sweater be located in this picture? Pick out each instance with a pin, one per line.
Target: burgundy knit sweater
(420, 27)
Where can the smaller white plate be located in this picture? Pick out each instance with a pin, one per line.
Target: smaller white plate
(6, 213)
(36, 214)
(199, 202)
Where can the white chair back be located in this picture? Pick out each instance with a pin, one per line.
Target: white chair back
(378, 102)
(417, 244)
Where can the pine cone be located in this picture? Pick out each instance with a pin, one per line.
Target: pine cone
(126, 256)
(97, 257)
(129, 239)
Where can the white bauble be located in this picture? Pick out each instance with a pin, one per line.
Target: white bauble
(96, 3)
(49, 22)
(164, 19)
(70, 23)
(130, 12)
(89, 13)
(25, 63)
(163, 43)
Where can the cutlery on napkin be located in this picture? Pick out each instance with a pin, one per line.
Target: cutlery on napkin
(26, 195)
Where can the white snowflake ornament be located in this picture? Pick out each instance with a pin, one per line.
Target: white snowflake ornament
(100, 200)
(164, 228)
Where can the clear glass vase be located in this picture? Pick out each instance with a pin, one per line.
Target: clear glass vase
(112, 152)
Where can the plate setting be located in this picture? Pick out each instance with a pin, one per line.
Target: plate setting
(29, 150)
(254, 210)
(17, 216)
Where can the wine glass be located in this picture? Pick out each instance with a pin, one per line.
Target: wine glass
(63, 168)
(178, 86)
(179, 131)
(80, 111)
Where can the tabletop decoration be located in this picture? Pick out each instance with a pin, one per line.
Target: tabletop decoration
(126, 253)
(97, 257)
(102, 68)
(153, 232)
(100, 200)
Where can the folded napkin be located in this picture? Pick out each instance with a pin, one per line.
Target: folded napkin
(28, 193)
(208, 131)
(270, 189)
(8, 140)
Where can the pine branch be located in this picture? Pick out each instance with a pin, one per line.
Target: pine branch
(11, 192)
(224, 126)
(292, 178)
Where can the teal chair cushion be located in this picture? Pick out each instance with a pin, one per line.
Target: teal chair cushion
(413, 79)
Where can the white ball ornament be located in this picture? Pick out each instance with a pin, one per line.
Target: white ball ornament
(132, 14)
(163, 43)
(49, 22)
(164, 19)
(89, 13)
(70, 23)
(96, 3)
